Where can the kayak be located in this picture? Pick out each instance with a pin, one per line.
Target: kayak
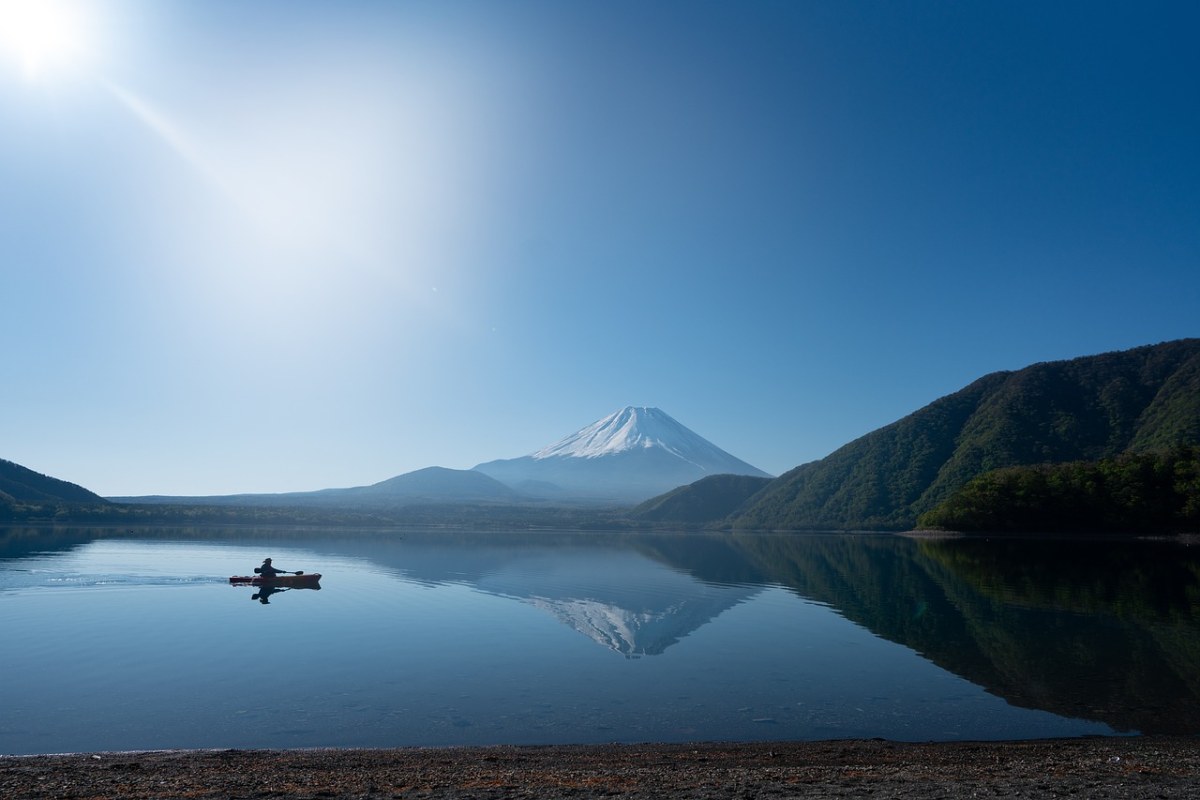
(301, 581)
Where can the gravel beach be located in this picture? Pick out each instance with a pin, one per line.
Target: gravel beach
(1139, 767)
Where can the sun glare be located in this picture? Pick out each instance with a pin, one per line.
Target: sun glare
(41, 35)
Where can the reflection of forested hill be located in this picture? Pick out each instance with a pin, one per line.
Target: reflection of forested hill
(20, 542)
(878, 583)
(1141, 605)
(1011, 617)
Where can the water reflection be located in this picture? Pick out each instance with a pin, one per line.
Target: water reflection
(1107, 631)
(1098, 630)
(265, 594)
(619, 599)
(1103, 630)
(22, 542)
(612, 589)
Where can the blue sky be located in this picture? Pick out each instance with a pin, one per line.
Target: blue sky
(267, 246)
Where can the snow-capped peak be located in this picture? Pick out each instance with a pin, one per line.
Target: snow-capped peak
(631, 428)
(630, 455)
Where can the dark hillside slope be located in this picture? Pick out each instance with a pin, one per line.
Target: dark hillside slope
(23, 485)
(1173, 417)
(711, 498)
(1084, 409)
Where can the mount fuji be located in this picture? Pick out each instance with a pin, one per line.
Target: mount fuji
(629, 456)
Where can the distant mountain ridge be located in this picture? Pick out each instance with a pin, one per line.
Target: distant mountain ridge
(629, 456)
(1142, 400)
(20, 484)
(431, 485)
(1083, 409)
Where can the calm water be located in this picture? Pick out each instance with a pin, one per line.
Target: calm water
(139, 642)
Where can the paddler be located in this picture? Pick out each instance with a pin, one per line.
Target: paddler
(267, 571)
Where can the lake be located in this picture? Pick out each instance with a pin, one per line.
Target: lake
(137, 640)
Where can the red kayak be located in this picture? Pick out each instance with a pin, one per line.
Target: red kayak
(305, 581)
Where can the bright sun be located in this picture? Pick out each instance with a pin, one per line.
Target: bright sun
(42, 35)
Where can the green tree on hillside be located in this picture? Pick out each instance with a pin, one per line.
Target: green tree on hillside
(1135, 492)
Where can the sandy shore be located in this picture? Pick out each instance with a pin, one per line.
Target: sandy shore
(1084, 768)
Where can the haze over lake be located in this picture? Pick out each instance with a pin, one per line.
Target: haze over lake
(453, 638)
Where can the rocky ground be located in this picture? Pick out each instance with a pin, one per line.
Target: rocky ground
(1084, 768)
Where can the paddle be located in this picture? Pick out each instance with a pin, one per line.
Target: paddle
(258, 571)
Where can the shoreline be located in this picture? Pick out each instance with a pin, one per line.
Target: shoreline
(1095, 767)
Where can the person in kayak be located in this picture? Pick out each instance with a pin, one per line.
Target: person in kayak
(268, 571)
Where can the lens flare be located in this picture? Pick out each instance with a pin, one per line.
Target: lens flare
(42, 35)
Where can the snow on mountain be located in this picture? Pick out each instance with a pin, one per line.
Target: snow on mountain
(632, 428)
(630, 455)
(639, 631)
(621, 599)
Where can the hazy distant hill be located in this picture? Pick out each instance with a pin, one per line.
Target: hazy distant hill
(1084, 409)
(711, 498)
(22, 485)
(432, 485)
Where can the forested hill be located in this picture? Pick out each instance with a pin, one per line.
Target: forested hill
(1088, 408)
(1155, 492)
(22, 485)
(711, 498)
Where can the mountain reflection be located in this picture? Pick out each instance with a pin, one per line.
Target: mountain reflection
(614, 590)
(623, 601)
(1104, 630)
